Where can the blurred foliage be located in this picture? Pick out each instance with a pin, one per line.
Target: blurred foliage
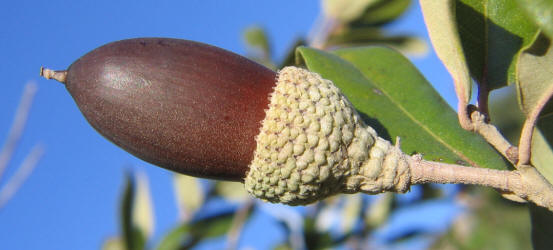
(188, 235)
(355, 23)
(487, 221)
(492, 223)
(10, 185)
(258, 48)
(189, 195)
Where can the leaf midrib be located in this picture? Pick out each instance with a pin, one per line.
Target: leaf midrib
(484, 80)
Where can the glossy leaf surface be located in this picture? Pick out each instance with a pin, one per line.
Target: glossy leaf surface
(396, 100)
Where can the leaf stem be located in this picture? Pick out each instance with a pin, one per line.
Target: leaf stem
(463, 112)
(58, 75)
(483, 95)
(525, 142)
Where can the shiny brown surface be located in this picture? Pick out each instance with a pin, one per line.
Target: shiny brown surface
(185, 106)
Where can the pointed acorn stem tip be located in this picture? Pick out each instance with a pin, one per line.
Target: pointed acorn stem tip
(58, 75)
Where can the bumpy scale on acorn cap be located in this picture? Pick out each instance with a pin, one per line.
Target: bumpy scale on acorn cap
(206, 112)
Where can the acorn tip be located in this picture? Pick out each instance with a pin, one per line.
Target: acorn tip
(58, 75)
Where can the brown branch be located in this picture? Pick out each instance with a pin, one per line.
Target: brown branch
(476, 120)
(435, 172)
(526, 182)
(492, 135)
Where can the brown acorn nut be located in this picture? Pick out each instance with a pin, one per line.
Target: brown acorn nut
(292, 137)
(182, 105)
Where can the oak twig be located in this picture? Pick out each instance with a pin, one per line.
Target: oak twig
(526, 182)
(493, 137)
(435, 172)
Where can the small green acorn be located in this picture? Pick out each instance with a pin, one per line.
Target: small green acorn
(292, 137)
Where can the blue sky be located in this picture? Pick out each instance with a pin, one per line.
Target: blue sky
(70, 201)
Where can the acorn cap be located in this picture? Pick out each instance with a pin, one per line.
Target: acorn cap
(313, 144)
(181, 105)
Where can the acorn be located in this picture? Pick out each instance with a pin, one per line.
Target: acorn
(291, 137)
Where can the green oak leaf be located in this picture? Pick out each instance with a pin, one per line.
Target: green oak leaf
(482, 36)
(187, 235)
(534, 88)
(442, 29)
(397, 101)
(133, 236)
(364, 36)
